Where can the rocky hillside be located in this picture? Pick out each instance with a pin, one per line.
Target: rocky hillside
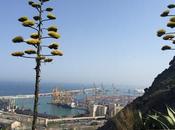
(156, 97)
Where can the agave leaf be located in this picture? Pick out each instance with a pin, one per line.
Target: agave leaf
(171, 114)
(155, 118)
(169, 121)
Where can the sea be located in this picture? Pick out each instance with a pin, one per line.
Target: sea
(22, 88)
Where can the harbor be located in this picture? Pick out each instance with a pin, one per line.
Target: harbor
(68, 106)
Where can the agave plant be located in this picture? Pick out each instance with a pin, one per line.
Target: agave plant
(161, 121)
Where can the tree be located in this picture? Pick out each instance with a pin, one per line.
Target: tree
(37, 45)
(168, 36)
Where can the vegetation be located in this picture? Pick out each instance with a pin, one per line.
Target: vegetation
(37, 45)
(162, 121)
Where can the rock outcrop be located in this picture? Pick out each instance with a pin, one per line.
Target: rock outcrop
(155, 98)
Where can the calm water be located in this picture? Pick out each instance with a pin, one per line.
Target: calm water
(44, 107)
(11, 88)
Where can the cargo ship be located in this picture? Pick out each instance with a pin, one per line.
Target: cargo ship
(63, 99)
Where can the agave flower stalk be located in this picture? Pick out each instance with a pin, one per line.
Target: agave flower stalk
(36, 40)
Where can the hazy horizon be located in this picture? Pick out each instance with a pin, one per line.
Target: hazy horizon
(103, 42)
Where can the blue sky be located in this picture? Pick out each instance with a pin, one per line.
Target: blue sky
(109, 41)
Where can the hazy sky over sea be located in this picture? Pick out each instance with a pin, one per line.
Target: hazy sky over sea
(109, 41)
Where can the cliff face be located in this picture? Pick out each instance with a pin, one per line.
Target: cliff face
(156, 97)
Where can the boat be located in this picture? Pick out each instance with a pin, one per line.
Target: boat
(63, 99)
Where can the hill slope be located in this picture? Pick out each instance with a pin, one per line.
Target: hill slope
(156, 97)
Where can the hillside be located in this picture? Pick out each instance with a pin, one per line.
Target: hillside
(155, 98)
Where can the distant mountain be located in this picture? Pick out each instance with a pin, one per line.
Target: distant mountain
(156, 97)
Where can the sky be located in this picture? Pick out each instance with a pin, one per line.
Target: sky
(104, 41)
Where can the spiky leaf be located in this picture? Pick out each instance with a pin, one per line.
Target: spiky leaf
(31, 51)
(33, 41)
(19, 53)
(22, 19)
(53, 46)
(57, 52)
(54, 34)
(166, 48)
(168, 37)
(171, 6)
(34, 35)
(49, 9)
(48, 60)
(28, 23)
(52, 28)
(51, 16)
(171, 114)
(18, 39)
(161, 32)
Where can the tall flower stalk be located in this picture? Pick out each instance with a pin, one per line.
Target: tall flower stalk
(37, 44)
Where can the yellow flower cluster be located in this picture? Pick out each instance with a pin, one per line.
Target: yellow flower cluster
(17, 53)
(51, 16)
(57, 52)
(18, 39)
(31, 51)
(32, 41)
(54, 34)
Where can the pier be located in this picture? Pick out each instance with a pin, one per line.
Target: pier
(48, 94)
